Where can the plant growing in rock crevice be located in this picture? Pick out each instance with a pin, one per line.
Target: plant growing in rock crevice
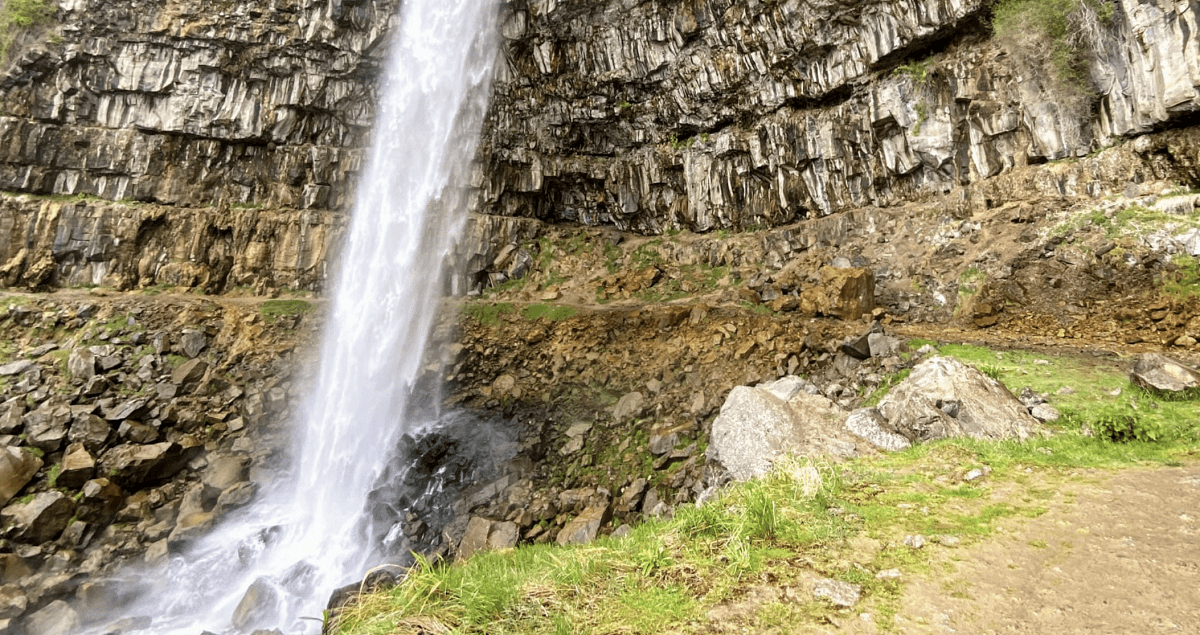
(1055, 40)
(18, 17)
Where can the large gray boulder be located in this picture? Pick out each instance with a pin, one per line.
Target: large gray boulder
(758, 425)
(944, 397)
(17, 468)
(39, 520)
(1156, 372)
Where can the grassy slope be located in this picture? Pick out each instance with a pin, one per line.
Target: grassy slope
(847, 522)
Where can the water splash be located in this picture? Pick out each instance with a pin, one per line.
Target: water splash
(302, 540)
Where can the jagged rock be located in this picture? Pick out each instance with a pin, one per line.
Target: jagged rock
(13, 568)
(226, 471)
(132, 464)
(476, 537)
(883, 345)
(100, 501)
(189, 528)
(17, 468)
(95, 386)
(135, 408)
(189, 373)
(192, 343)
(584, 527)
(842, 293)
(758, 425)
(260, 606)
(78, 466)
(664, 437)
(631, 497)
(234, 497)
(41, 519)
(1154, 371)
(13, 601)
(81, 364)
(46, 427)
(16, 368)
(868, 424)
(12, 414)
(857, 347)
(57, 618)
(629, 406)
(943, 397)
(89, 430)
(503, 535)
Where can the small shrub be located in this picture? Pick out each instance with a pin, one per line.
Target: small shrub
(1121, 424)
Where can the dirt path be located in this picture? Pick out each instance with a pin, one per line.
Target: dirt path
(1118, 555)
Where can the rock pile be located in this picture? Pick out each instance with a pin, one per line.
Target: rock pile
(125, 432)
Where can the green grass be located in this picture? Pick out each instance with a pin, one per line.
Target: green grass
(18, 16)
(274, 309)
(800, 519)
(488, 314)
(550, 313)
(1103, 398)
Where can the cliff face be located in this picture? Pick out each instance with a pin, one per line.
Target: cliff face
(195, 103)
(647, 116)
(711, 113)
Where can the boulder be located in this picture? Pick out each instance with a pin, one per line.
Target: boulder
(100, 501)
(192, 343)
(132, 464)
(78, 466)
(503, 535)
(89, 430)
(259, 607)
(15, 368)
(12, 415)
(945, 398)
(39, 520)
(1157, 372)
(46, 427)
(57, 618)
(17, 468)
(189, 373)
(81, 364)
(758, 425)
(584, 527)
(476, 537)
(13, 601)
(629, 406)
(869, 425)
(226, 471)
(189, 528)
(845, 293)
(13, 568)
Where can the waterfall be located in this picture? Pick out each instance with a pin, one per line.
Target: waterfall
(303, 539)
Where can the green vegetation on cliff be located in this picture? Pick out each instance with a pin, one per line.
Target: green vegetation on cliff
(17, 17)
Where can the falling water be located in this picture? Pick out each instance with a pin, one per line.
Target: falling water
(301, 541)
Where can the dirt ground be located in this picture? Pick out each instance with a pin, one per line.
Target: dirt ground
(1117, 552)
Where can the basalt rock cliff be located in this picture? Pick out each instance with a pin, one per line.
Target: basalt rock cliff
(644, 116)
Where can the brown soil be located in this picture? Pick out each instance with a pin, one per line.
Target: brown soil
(1115, 553)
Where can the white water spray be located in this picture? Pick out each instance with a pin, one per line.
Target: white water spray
(300, 542)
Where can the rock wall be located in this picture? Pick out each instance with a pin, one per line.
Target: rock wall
(194, 104)
(703, 114)
(695, 114)
(243, 127)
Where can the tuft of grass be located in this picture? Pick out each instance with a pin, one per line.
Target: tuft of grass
(550, 313)
(488, 314)
(275, 309)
